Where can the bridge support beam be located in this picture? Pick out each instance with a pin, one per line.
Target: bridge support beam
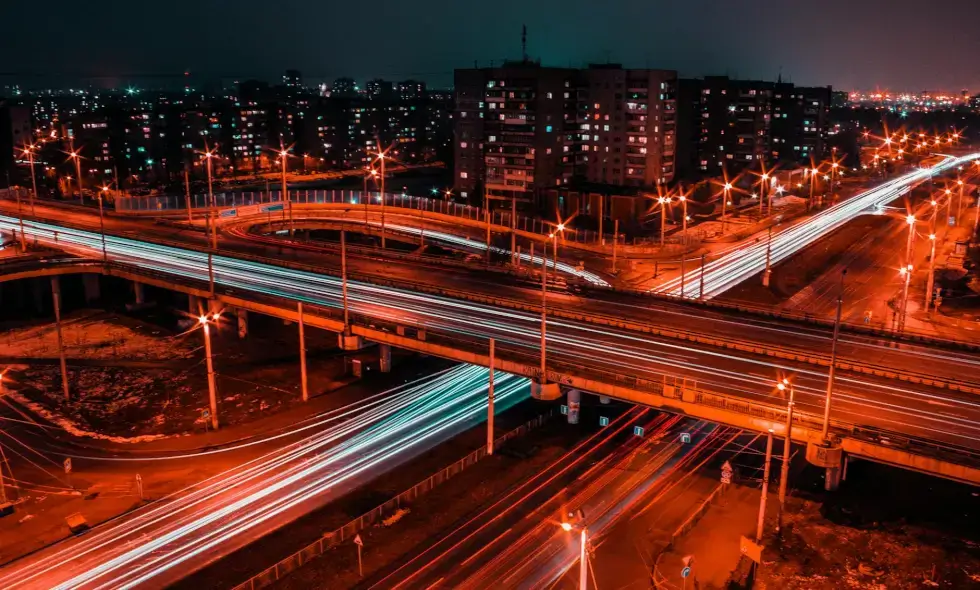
(242, 316)
(545, 391)
(140, 293)
(830, 456)
(384, 357)
(574, 405)
(349, 341)
(90, 285)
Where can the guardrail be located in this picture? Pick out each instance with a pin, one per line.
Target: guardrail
(659, 580)
(289, 564)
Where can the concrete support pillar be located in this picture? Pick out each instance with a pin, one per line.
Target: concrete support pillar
(574, 404)
(90, 284)
(545, 391)
(242, 316)
(604, 400)
(832, 479)
(349, 342)
(139, 292)
(384, 357)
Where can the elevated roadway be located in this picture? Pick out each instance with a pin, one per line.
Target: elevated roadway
(905, 404)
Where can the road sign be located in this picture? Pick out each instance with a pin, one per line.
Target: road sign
(603, 421)
(750, 549)
(726, 473)
(952, 220)
(228, 213)
(685, 437)
(638, 431)
(68, 465)
(272, 208)
(358, 541)
(685, 572)
(564, 410)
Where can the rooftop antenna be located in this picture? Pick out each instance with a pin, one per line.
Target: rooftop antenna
(524, 42)
(779, 80)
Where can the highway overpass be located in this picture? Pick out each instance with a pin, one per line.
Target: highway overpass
(908, 405)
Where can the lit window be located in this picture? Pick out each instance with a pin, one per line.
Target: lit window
(547, 151)
(605, 127)
(464, 175)
(549, 95)
(492, 138)
(463, 194)
(548, 129)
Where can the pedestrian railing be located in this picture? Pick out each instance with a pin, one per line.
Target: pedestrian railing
(351, 529)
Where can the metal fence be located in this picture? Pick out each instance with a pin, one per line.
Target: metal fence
(177, 204)
(659, 580)
(351, 529)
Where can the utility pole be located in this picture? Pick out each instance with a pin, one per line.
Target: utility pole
(768, 271)
(212, 389)
(833, 358)
(208, 156)
(283, 154)
(486, 216)
(932, 272)
(302, 353)
(787, 452)
(30, 158)
(490, 402)
(56, 297)
(765, 490)
(381, 156)
(601, 240)
(105, 256)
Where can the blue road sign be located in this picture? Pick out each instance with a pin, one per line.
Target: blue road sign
(603, 421)
(685, 437)
(638, 431)
(564, 410)
(685, 572)
(228, 213)
(272, 208)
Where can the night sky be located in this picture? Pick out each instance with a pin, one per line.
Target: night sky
(895, 44)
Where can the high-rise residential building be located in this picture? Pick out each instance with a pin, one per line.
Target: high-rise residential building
(379, 89)
(726, 125)
(343, 88)
(522, 128)
(410, 90)
(292, 79)
(15, 133)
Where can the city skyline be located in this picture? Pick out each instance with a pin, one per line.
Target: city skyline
(428, 40)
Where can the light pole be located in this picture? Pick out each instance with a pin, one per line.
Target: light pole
(683, 200)
(283, 154)
(343, 278)
(205, 321)
(20, 214)
(490, 401)
(583, 580)
(959, 201)
(544, 308)
(75, 155)
(906, 273)
(381, 156)
(764, 191)
(663, 218)
(724, 204)
(833, 359)
(104, 191)
(29, 152)
(765, 489)
(833, 181)
(784, 385)
(208, 157)
(768, 272)
(932, 271)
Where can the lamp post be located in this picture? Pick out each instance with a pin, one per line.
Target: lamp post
(906, 273)
(724, 204)
(959, 201)
(381, 156)
(932, 270)
(683, 200)
(29, 152)
(208, 156)
(583, 580)
(283, 154)
(764, 191)
(785, 385)
(74, 155)
(663, 218)
(104, 191)
(20, 215)
(206, 320)
(833, 359)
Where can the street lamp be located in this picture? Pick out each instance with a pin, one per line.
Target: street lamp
(724, 204)
(683, 200)
(785, 385)
(104, 191)
(283, 153)
(906, 273)
(932, 271)
(205, 321)
(765, 191)
(75, 155)
(208, 157)
(579, 515)
(663, 218)
(29, 152)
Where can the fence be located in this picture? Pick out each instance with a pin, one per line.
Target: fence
(349, 530)
(659, 580)
(179, 204)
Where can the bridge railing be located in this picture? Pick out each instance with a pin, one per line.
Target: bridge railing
(180, 204)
